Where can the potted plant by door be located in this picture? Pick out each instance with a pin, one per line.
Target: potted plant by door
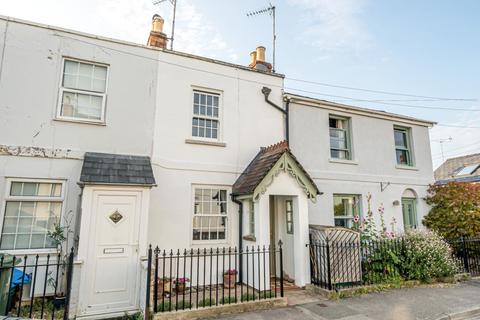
(180, 284)
(229, 278)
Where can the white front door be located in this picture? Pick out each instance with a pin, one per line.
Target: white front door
(112, 264)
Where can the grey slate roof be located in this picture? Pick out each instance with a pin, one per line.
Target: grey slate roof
(447, 171)
(100, 168)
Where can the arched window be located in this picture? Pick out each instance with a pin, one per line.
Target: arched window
(409, 209)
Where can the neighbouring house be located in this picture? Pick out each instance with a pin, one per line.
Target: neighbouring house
(143, 145)
(459, 169)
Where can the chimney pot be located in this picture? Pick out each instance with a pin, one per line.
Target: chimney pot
(253, 59)
(157, 38)
(157, 23)
(260, 54)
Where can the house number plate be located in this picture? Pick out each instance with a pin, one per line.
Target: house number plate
(113, 250)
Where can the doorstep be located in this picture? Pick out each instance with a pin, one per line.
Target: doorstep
(221, 310)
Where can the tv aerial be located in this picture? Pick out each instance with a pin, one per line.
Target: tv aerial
(270, 10)
(174, 4)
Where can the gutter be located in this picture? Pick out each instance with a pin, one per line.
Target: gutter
(266, 92)
(240, 235)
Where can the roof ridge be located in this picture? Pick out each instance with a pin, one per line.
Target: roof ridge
(464, 156)
(279, 145)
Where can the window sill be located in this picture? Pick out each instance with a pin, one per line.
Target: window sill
(206, 143)
(95, 123)
(351, 162)
(406, 168)
(250, 238)
(209, 242)
(28, 252)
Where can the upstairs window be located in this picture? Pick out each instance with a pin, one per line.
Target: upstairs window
(31, 211)
(251, 218)
(403, 146)
(83, 91)
(340, 146)
(206, 115)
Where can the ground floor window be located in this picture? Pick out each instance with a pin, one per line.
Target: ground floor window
(409, 210)
(210, 214)
(345, 209)
(32, 209)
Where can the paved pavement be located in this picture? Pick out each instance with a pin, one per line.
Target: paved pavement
(425, 303)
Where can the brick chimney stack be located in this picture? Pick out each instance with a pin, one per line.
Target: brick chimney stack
(157, 38)
(257, 60)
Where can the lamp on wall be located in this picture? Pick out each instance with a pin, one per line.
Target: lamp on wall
(396, 203)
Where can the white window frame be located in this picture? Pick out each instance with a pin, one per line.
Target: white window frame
(348, 137)
(8, 197)
(287, 220)
(192, 215)
(409, 148)
(62, 89)
(219, 119)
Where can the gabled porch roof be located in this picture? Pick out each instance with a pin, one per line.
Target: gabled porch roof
(267, 164)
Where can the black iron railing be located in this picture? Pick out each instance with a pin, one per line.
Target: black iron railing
(342, 264)
(36, 287)
(197, 278)
(467, 250)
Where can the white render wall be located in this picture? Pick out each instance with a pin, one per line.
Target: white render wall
(373, 162)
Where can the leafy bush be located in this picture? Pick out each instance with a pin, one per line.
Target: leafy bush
(207, 302)
(167, 306)
(228, 300)
(455, 210)
(426, 256)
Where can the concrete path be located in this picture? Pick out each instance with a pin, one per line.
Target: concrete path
(425, 303)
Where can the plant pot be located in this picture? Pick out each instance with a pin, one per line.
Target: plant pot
(180, 287)
(229, 280)
(163, 286)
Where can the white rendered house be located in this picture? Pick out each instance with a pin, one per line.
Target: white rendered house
(142, 145)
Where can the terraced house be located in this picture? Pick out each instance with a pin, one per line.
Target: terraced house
(124, 145)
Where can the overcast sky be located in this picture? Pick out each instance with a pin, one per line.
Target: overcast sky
(425, 48)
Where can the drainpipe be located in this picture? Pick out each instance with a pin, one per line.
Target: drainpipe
(240, 236)
(266, 92)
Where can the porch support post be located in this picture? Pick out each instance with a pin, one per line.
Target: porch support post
(301, 255)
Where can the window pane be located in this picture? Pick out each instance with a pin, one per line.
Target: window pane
(38, 241)
(22, 241)
(26, 209)
(71, 67)
(402, 157)
(10, 225)
(400, 138)
(82, 106)
(8, 242)
(12, 209)
(29, 189)
(16, 189)
(339, 154)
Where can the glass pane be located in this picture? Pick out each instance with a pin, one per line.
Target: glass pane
(215, 101)
(69, 81)
(339, 154)
(10, 225)
(38, 241)
(400, 138)
(100, 73)
(11, 209)
(44, 189)
(340, 134)
(84, 83)
(7, 242)
(57, 190)
(196, 98)
(25, 225)
(26, 209)
(402, 156)
(99, 85)
(71, 67)
(23, 241)
(338, 143)
(16, 189)
(82, 106)
(29, 189)
(42, 210)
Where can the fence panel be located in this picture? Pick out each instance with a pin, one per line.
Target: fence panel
(36, 287)
(467, 250)
(196, 278)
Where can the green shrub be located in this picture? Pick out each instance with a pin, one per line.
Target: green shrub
(427, 256)
(455, 210)
(227, 300)
(167, 306)
(248, 297)
(207, 302)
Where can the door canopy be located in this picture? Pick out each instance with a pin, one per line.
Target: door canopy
(267, 165)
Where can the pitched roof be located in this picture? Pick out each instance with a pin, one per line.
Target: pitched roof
(449, 169)
(107, 168)
(261, 165)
